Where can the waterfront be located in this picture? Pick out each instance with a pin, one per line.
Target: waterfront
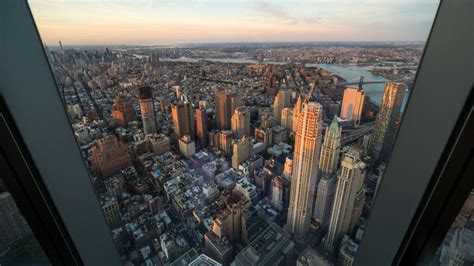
(351, 73)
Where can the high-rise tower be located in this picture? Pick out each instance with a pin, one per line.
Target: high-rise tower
(223, 109)
(241, 151)
(282, 100)
(325, 199)
(241, 122)
(182, 119)
(226, 103)
(147, 108)
(305, 169)
(352, 103)
(331, 148)
(288, 168)
(386, 121)
(350, 182)
(287, 118)
(296, 112)
(201, 126)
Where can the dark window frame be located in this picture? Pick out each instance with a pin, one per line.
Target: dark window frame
(446, 194)
(29, 192)
(30, 92)
(442, 85)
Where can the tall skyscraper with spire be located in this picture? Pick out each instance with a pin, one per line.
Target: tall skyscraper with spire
(386, 122)
(147, 108)
(282, 100)
(305, 169)
(350, 182)
(241, 122)
(331, 148)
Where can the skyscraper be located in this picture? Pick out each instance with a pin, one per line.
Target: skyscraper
(242, 150)
(296, 112)
(325, 199)
(288, 168)
(201, 126)
(186, 146)
(331, 148)
(241, 122)
(305, 169)
(226, 103)
(235, 102)
(147, 108)
(357, 209)
(350, 180)
(352, 103)
(223, 107)
(227, 222)
(111, 210)
(287, 118)
(123, 111)
(386, 121)
(282, 100)
(225, 142)
(277, 193)
(182, 119)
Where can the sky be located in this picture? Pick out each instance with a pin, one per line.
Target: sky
(163, 22)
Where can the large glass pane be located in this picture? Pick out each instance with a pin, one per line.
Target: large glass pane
(245, 132)
(18, 245)
(457, 247)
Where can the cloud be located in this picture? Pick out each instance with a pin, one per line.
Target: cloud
(281, 14)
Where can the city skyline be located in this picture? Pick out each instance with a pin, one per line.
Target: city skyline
(186, 22)
(258, 175)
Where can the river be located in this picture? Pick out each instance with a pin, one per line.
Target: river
(351, 73)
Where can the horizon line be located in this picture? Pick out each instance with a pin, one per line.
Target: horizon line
(229, 42)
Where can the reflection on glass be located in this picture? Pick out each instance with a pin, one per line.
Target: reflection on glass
(238, 137)
(457, 247)
(18, 246)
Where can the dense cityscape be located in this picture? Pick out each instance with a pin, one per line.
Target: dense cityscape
(246, 163)
(238, 153)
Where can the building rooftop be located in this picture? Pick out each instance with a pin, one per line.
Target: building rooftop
(221, 244)
(186, 258)
(261, 250)
(203, 260)
(312, 257)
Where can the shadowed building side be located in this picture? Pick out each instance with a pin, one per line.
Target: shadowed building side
(147, 108)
